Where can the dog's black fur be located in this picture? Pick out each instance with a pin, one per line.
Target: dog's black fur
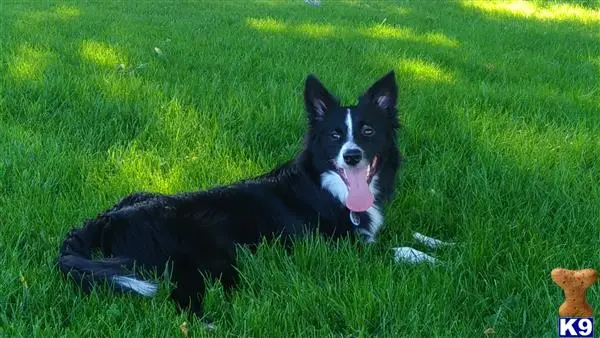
(197, 233)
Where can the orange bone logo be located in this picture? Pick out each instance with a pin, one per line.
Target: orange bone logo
(574, 283)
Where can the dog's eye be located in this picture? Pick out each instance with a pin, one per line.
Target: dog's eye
(368, 131)
(335, 135)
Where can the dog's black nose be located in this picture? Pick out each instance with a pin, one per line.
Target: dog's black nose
(352, 156)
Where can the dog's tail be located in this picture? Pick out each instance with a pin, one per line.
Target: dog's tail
(75, 261)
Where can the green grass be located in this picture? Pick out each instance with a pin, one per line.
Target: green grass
(500, 105)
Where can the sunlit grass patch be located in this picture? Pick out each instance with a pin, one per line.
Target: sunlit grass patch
(67, 12)
(316, 30)
(528, 9)
(423, 71)
(277, 26)
(376, 31)
(29, 63)
(266, 24)
(46, 16)
(136, 169)
(384, 31)
(101, 53)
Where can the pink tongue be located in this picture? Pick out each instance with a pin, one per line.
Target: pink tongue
(360, 197)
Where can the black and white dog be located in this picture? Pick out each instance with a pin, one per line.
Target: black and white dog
(336, 186)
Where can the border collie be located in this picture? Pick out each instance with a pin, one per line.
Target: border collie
(336, 186)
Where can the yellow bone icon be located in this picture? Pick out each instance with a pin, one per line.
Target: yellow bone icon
(574, 283)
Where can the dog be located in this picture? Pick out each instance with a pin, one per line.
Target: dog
(336, 186)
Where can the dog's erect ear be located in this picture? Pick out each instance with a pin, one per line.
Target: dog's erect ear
(317, 99)
(383, 93)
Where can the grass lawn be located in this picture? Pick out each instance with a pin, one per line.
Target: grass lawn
(500, 106)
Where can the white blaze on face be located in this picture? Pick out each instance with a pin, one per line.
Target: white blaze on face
(349, 144)
(359, 197)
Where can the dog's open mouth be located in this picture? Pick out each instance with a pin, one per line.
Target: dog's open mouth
(357, 180)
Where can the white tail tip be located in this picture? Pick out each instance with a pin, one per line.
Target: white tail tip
(144, 288)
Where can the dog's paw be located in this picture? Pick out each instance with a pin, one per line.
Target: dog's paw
(410, 255)
(430, 241)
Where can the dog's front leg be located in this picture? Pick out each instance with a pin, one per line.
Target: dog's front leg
(410, 255)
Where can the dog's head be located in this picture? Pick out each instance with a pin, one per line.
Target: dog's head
(349, 143)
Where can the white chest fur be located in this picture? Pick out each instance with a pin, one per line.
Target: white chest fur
(332, 182)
